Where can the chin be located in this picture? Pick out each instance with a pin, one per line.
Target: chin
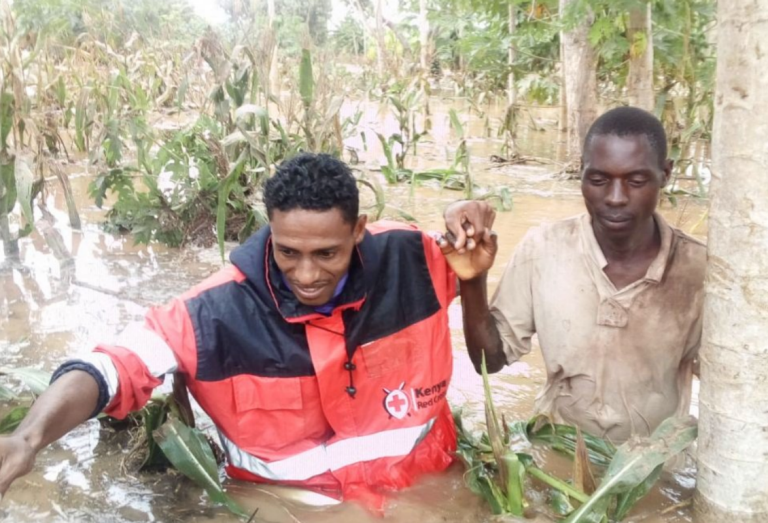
(315, 302)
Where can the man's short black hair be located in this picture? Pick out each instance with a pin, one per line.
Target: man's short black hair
(313, 182)
(631, 121)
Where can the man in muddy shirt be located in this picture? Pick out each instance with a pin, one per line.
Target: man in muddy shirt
(615, 295)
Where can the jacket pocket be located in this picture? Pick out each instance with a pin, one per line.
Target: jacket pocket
(388, 355)
(269, 412)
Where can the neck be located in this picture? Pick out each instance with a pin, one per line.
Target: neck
(645, 240)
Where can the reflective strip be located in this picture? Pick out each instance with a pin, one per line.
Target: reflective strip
(149, 347)
(324, 458)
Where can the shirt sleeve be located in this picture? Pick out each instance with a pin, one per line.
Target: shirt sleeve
(512, 303)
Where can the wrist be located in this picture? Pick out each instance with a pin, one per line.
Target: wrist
(31, 438)
(477, 280)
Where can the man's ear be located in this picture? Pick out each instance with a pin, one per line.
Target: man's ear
(359, 231)
(668, 164)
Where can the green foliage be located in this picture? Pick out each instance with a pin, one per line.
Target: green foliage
(349, 37)
(496, 470)
(33, 379)
(635, 466)
(189, 452)
(13, 419)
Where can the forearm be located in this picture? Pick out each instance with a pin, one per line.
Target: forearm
(68, 402)
(480, 331)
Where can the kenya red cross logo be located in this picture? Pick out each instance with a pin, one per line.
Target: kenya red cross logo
(396, 402)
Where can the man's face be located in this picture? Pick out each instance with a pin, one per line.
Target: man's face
(313, 250)
(620, 181)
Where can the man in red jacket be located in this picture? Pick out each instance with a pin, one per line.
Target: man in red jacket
(322, 353)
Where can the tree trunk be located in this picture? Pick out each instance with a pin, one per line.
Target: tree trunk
(580, 81)
(380, 43)
(640, 78)
(274, 80)
(424, 37)
(511, 91)
(424, 61)
(733, 426)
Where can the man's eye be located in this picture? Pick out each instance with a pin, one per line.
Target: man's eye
(326, 254)
(597, 181)
(638, 182)
(286, 252)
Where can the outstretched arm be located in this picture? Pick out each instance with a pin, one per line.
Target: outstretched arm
(67, 403)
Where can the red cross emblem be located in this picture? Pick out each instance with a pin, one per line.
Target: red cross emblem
(396, 402)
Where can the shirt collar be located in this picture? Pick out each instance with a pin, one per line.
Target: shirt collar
(655, 271)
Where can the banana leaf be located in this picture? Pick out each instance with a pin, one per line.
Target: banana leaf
(634, 463)
(190, 453)
(34, 379)
(12, 420)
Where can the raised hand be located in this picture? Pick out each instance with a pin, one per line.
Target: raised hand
(469, 245)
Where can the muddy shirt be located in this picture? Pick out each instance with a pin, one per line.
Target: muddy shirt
(618, 361)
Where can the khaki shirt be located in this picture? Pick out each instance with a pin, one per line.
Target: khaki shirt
(618, 361)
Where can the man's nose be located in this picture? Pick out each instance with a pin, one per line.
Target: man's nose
(617, 193)
(306, 272)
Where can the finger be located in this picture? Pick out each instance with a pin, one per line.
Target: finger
(471, 244)
(455, 242)
(456, 233)
(492, 241)
(446, 247)
(468, 227)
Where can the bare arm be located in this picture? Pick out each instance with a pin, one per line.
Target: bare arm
(480, 331)
(67, 403)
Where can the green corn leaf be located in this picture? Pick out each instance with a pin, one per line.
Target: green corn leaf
(6, 394)
(221, 207)
(8, 190)
(636, 461)
(456, 123)
(563, 439)
(190, 453)
(13, 419)
(6, 117)
(560, 503)
(515, 483)
(306, 79)
(24, 181)
(626, 501)
(34, 379)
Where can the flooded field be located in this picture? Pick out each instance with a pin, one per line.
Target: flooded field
(52, 309)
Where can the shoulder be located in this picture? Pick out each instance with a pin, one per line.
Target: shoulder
(689, 252)
(550, 238)
(216, 281)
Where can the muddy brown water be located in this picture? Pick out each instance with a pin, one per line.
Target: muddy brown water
(51, 310)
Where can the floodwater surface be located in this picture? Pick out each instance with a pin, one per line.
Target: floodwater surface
(51, 309)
